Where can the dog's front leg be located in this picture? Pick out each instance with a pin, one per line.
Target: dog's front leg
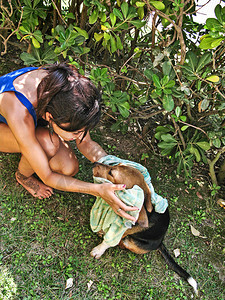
(97, 251)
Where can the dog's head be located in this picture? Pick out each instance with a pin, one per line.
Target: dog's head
(118, 174)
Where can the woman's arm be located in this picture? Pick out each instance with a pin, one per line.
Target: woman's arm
(90, 149)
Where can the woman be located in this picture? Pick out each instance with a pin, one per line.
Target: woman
(70, 104)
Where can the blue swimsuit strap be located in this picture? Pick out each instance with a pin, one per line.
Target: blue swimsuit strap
(28, 105)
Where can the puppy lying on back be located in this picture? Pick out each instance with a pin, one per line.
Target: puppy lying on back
(149, 231)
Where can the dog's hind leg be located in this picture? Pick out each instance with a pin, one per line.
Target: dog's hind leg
(130, 244)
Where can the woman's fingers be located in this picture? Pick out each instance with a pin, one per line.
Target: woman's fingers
(122, 208)
(125, 215)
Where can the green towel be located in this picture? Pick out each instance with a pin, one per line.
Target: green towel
(102, 216)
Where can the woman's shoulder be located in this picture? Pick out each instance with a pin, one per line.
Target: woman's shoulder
(10, 107)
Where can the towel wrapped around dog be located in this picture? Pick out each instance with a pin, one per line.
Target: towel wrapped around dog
(103, 217)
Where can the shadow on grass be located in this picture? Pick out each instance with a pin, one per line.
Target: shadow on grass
(45, 242)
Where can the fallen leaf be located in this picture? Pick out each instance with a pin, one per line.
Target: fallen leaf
(194, 231)
(89, 284)
(69, 283)
(199, 195)
(176, 252)
(187, 191)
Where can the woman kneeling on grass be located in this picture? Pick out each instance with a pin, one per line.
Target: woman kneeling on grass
(70, 104)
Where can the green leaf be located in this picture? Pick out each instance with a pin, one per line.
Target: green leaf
(187, 69)
(28, 58)
(25, 29)
(82, 32)
(166, 68)
(217, 142)
(183, 118)
(213, 78)
(124, 8)
(155, 79)
(192, 60)
(93, 17)
(217, 42)
(206, 43)
(168, 138)
(141, 12)
(158, 5)
(102, 17)
(124, 112)
(167, 91)
(113, 19)
(140, 4)
(204, 60)
(165, 80)
(107, 36)
(166, 128)
(165, 145)
(113, 44)
(218, 13)
(35, 43)
(183, 128)
(138, 23)
(178, 111)
(170, 84)
(118, 13)
(166, 151)
(196, 153)
(98, 36)
(119, 43)
(203, 145)
(213, 24)
(35, 3)
(168, 103)
(38, 36)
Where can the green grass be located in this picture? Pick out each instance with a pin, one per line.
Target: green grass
(45, 242)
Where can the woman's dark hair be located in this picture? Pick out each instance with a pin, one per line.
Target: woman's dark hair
(69, 97)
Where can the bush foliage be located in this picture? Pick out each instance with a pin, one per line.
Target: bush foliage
(161, 73)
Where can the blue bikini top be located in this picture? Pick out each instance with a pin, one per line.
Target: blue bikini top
(6, 85)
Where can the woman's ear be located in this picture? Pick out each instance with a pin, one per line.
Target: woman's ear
(47, 116)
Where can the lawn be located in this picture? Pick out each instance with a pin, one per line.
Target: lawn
(46, 242)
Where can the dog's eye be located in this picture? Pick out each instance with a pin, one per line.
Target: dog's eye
(110, 172)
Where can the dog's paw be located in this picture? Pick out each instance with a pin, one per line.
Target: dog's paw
(97, 251)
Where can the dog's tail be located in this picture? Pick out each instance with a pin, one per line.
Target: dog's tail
(176, 268)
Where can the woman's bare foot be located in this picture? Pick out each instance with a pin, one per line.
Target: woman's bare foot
(35, 187)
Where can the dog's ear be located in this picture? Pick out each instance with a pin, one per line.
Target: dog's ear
(143, 218)
(120, 165)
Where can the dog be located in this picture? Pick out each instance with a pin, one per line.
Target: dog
(149, 231)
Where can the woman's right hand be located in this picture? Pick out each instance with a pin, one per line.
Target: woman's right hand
(107, 192)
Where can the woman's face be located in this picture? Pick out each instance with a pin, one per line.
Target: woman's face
(67, 135)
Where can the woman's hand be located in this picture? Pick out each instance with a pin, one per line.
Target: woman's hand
(106, 191)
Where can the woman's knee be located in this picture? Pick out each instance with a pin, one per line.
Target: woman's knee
(65, 160)
(71, 169)
(49, 142)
